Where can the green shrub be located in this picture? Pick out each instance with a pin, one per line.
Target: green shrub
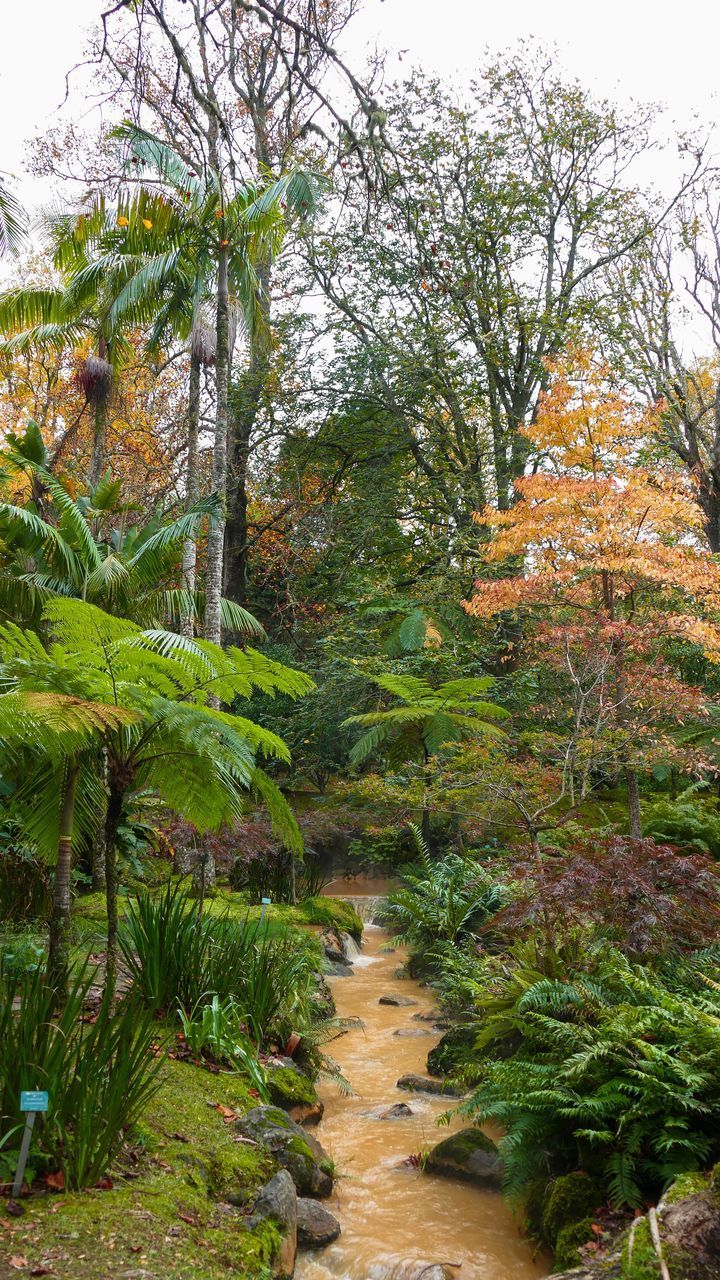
(216, 1029)
(443, 901)
(617, 1072)
(99, 1074)
(691, 822)
(179, 959)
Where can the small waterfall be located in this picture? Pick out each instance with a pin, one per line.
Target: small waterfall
(351, 950)
(368, 906)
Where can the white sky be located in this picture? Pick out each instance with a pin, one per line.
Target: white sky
(642, 49)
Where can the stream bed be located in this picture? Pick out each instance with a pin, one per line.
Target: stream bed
(390, 1212)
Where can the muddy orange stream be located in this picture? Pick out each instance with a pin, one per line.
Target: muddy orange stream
(390, 1213)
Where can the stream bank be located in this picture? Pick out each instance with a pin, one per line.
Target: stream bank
(391, 1214)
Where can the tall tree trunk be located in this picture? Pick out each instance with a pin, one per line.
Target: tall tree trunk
(60, 918)
(216, 534)
(191, 486)
(633, 795)
(244, 413)
(97, 459)
(112, 822)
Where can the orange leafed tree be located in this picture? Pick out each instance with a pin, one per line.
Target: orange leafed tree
(608, 553)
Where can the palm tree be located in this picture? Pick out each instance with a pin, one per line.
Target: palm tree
(154, 725)
(68, 315)
(13, 222)
(426, 718)
(90, 551)
(224, 235)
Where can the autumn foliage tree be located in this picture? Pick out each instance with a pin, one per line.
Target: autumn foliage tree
(608, 567)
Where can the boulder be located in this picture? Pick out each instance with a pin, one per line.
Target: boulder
(277, 1203)
(295, 1092)
(334, 969)
(399, 1002)
(294, 1149)
(430, 1015)
(690, 1230)
(409, 1032)
(397, 1111)
(422, 1084)
(469, 1155)
(335, 956)
(316, 1227)
(451, 1050)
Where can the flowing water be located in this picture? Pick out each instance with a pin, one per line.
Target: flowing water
(391, 1213)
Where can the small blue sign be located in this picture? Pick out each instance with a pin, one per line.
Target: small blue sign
(266, 901)
(33, 1100)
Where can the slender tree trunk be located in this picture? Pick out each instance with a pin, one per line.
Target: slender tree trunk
(633, 795)
(244, 413)
(112, 822)
(216, 534)
(97, 459)
(191, 486)
(60, 918)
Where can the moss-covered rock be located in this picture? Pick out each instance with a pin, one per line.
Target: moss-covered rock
(569, 1199)
(569, 1241)
(451, 1050)
(291, 1089)
(332, 912)
(469, 1155)
(292, 1148)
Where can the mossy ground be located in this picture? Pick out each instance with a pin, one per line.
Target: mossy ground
(165, 1215)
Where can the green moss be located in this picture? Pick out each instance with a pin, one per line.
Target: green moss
(290, 1088)
(688, 1184)
(331, 911)
(568, 1244)
(569, 1200)
(644, 1264)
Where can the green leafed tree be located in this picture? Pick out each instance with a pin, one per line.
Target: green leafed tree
(424, 719)
(154, 725)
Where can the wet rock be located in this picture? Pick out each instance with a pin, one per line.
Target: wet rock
(294, 1149)
(430, 1015)
(335, 956)
(469, 1155)
(334, 969)
(409, 1032)
(316, 1227)
(399, 1002)
(422, 1084)
(451, 1050)
(277, 1203)
(396, 1112)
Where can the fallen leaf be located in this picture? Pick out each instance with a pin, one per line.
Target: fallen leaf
(104, 1184)
(180, 1137)
(18, 1262)
(40, 1271)
(597, 1229)
(185, 1217)
(14, 1209)
(55, 1180)
(226, 1112)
